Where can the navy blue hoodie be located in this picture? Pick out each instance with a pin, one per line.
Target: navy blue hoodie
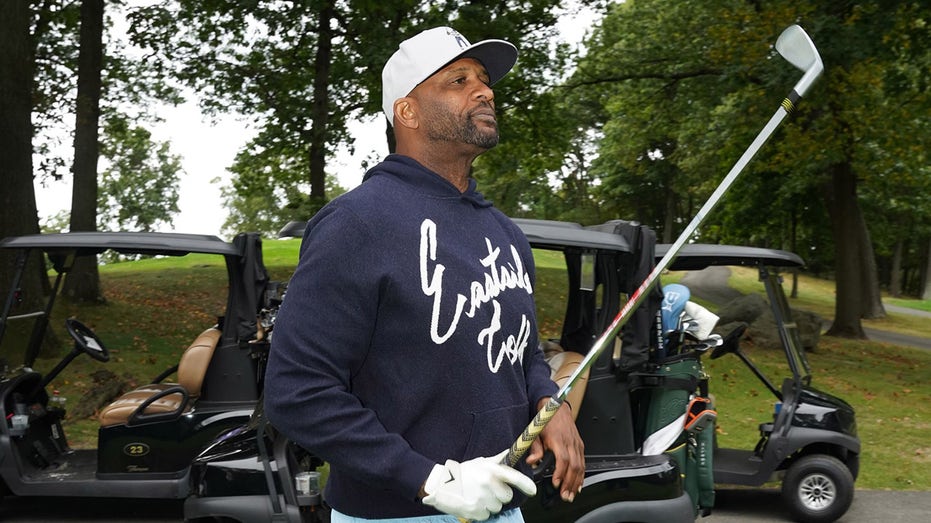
(407, 337)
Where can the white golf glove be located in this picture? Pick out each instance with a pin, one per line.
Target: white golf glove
(475, 489)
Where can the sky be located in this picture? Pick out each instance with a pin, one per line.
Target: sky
(207, 149)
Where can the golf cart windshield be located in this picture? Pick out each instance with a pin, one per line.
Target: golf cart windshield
(694, 257)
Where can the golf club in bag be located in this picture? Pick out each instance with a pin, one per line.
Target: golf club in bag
(797, 48)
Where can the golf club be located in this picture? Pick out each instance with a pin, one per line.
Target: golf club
(797, 48)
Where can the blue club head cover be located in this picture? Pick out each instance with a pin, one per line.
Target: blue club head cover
(675, 296)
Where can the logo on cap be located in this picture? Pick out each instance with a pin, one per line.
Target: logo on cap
(463, 43)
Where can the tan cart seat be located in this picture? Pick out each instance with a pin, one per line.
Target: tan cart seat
(191, 371)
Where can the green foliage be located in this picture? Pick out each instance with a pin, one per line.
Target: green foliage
(680, 90)
(540, 168)
(298, 69)
(670, 88)
(138, 190)
(258, 201)
(641, 123)
(60, 222)
(54, 37)
(303, 70)
(129, 84)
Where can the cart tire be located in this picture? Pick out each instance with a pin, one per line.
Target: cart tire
(818, 489)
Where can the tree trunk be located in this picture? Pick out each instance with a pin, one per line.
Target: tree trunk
(870, 297)
(926, 277)
(670, 215)
(841, 202)
(18, 213)
(320, 105)
(83, 282)
(895, 275)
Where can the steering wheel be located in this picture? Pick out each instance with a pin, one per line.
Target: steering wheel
(730, 343)
(86, 340)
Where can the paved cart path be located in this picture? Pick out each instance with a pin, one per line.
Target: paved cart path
(869, 506)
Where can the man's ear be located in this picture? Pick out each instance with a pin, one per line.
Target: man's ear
(405, 112)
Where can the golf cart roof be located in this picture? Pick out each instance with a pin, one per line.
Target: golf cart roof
(548, 234)
(85, 243)
(542, 234)
(697, 256)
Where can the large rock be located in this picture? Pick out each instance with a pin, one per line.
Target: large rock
(746, 309)
(762, 331)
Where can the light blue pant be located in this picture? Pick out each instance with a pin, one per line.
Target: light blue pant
(508, 516)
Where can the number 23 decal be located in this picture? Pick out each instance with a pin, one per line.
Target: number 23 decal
(136, 449)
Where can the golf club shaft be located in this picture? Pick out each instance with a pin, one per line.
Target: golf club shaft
(532, 431)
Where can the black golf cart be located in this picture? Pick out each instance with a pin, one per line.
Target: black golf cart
(811, 443)
(253, 473)
(148, 436)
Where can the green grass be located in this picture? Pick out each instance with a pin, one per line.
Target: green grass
(147, 330)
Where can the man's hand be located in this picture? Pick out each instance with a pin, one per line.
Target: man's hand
(562, 438)
(474, 489)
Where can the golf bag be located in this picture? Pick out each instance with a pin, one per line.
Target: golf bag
(675, 414)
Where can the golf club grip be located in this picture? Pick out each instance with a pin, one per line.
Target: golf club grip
(523, 443)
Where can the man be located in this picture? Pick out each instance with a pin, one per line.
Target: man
(405, 352)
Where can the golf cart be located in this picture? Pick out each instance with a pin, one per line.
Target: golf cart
(253, 473)
(811, 443)
(148, 436)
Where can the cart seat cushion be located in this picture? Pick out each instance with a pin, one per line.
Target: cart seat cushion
(194, 362)
(191, 371)
(119, 411)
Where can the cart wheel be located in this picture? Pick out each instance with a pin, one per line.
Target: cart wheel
(818, 489)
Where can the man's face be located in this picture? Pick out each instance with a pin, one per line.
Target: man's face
(457, 105)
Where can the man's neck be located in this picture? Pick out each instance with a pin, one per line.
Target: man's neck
(453, 166)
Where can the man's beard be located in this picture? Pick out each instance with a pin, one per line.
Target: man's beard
(445, 127)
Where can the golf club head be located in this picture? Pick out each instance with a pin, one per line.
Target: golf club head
(797, 48)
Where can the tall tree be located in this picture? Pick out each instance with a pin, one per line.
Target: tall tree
(279, 63)
(302, 70)
(17, 200)
(18, 213)
(83, 282)
(40, 54)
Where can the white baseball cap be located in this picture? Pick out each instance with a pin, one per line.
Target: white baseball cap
(418, 57)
